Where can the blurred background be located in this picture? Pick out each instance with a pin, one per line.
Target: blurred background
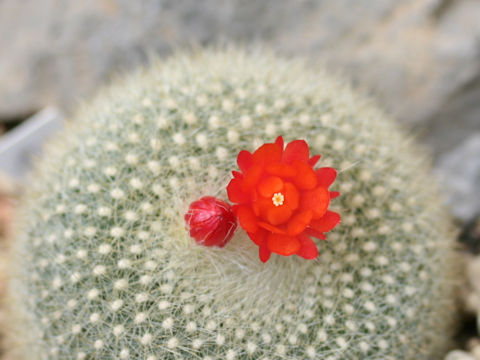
(420, 59)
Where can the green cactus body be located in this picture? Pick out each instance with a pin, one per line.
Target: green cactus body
(104, 268)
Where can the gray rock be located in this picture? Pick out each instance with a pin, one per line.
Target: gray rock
(459, 171)
(19, 146)
(459, 355)
(55, 53)
(421, 58)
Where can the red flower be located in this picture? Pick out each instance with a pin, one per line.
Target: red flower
(281, 200)
(211, 221)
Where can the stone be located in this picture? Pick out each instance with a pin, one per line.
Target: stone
(7, 206)
(22, 144)
(459, 171)
(459, 355)
(475, 351)
(473, 275)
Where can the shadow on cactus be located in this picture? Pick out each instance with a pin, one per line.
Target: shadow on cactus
(103, 266)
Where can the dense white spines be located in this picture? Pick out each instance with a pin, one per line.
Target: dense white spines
(110, 272)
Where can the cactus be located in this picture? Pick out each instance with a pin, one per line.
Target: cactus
(103, 267)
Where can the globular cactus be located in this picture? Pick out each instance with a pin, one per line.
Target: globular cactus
(104, 268)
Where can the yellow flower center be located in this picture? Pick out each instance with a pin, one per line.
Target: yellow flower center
(278, 199)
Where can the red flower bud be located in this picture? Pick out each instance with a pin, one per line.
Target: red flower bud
(211, 221)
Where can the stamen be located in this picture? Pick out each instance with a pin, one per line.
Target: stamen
(278, 199)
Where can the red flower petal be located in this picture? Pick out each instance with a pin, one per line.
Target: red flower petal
(237, 174)
(269, 186)
(283, 244)
(235, 192)
(281, 169)
(316, 234)
(292, 197)
(306, 178)
(252, 177)
(299, 222)
(246, 218)
(316, 200)
(258, 237)
(313, 160)
(278, 214)
(267, 153)
(271, 228)
(264, 253)
(327, 222)
(296, 150)
(308, 249)
(334, 194)
(279, 141)
(326, 176)
(244, 160)
(261, 205)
